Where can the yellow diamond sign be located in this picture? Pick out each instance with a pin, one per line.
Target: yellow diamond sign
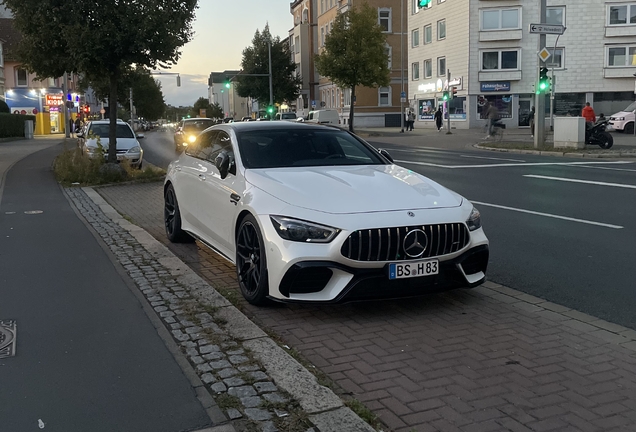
(544, 54)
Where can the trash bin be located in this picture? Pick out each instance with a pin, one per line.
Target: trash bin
(28, 129)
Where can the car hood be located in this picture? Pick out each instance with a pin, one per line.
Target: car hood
(122, 143)
(623, 114)
(353, 189)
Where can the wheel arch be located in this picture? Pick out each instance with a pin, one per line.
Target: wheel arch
(240, 218)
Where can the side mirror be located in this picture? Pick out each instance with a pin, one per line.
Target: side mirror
(386, 154)
(140, 136)
(222, 163)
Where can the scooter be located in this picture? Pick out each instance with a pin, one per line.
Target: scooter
(596, 134)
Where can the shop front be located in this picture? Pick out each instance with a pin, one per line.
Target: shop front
(430, 98)
(46, 104)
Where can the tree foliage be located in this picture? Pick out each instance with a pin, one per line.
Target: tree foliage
(355, 53)
(213, 111)
(286, 84)
(101, 38)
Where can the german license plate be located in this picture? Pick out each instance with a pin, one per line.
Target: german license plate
(413, 269)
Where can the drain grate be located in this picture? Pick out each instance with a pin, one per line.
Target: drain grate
(8, 335)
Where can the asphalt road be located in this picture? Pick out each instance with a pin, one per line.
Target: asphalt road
(88, 358)
(561, 229)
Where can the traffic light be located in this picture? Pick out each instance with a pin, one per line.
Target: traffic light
(544, 81)
(226, 82)
(445, 96)
(423, 3)
(453, 92)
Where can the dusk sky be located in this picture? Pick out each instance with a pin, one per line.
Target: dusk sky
(222, 29)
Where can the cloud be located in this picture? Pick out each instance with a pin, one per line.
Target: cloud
(192, 88)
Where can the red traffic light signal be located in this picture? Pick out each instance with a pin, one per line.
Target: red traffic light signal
(453, 92)
(87, 109)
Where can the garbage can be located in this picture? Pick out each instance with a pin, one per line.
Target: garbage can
(28, 129)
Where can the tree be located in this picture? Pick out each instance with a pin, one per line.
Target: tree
(286, 84)
(101, 38)
(355, 53)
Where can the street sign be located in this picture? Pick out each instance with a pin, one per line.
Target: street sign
(544, 54)
(403, 99)
(403, 95)
(555, 29)
(102, 111)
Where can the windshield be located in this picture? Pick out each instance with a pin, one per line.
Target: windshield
(197, 125)
(101, 130)
(288, 116)
(630, 108)
(281, 148)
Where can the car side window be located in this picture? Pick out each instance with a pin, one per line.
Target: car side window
(220, 142)
(203, 145)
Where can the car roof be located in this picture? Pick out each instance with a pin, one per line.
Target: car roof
(119, 121)
(272, 125)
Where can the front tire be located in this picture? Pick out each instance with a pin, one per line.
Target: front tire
(629, 128)
(172, 218)
(251, 263)
(606, 140)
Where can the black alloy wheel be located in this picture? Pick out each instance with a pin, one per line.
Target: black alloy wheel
(172, 218)
(251, 264)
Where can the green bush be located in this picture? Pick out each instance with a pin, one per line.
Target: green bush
(4, 108)
(12, 125)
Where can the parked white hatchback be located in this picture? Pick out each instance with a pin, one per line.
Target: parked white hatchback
(96, 133)
(313, 213)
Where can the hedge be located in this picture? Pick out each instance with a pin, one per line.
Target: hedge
(12, 125)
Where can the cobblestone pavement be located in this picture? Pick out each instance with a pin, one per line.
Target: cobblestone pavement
(487, 359)
(230, 354)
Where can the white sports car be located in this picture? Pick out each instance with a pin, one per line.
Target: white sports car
(313, 213)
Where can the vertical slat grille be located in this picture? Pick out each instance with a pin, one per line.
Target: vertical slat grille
(387, 244)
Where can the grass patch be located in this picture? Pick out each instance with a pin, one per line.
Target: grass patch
(363, 412)
(226, 401)
(296, 421)
(72, 167)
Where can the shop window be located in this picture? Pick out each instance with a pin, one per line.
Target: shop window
(555, 15)
(621, 14)
(495, 60)
(503, 103)
(415, 38)
(621, 56)
(428, 68)
(384, 19)
(501, 19)
(21, 78)
(426, 109)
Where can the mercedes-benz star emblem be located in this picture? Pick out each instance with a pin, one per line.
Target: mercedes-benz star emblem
(415, 243)
(411, 214)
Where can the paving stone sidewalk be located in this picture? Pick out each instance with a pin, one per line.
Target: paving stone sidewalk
(487, 359)
(246, 382)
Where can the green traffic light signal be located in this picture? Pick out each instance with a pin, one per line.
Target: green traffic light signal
(423, 3)
(227, 84)
(270, 110)
(445, 96)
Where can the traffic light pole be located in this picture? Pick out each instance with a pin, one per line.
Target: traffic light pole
(539, 116)
(448, 77)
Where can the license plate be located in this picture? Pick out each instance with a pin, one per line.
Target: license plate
(413, 269)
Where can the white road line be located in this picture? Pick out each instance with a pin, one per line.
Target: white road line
(619, 185)
(491, 158)
(527, 164)
(601, 224)
(606, 168)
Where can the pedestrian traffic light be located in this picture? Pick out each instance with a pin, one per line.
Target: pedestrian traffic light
(453, 93)
(544, 81)
(445, 96)
(423, 3)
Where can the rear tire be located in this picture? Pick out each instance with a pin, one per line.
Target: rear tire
(606, 140)
(251, 263)
(172, 218)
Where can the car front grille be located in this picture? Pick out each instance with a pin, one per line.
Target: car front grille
(387, 244)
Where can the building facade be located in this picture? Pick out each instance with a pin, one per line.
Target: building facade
(492, 56)
(27, 95)
(233, 105)
(1, 70)
(373, 106)
(302, 39)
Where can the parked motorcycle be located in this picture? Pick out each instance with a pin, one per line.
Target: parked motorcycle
(596, 134)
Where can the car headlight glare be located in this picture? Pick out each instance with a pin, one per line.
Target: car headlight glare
(620, 118)
(303, 231)
(135, 149)
(474, 220)
(192, 138)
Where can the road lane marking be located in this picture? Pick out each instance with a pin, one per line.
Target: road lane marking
(583, 221)
(527, 164)
(492, 158)
(619, 185)
(606, 168)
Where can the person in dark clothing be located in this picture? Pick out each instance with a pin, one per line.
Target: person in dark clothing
(531, 120)
(439, 121)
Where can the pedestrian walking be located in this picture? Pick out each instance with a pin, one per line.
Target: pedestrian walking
(588, 113)
(531, 119)
(78, 125)
(439, 121)
(411, 119)
(71, 127)
(492, 114)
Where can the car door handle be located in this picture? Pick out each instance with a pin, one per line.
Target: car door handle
(201, 177)
(234, 198)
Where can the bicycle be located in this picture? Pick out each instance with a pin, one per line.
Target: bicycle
(497, 131)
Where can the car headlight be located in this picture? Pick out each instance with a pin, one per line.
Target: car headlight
(474, 220)
(192, 138)
(303, 231)
(620, 118)
(135, 149)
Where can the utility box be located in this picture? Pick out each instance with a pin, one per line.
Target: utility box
(569, 132)
(28, 129)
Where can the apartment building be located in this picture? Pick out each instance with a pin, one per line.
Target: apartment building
(487, 46)
(374, 106)
(233, 105)
(302, 39)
